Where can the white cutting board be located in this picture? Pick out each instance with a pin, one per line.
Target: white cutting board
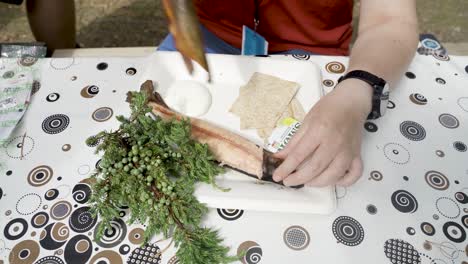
(228, 74)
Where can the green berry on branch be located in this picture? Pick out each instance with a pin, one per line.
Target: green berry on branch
(139, 169)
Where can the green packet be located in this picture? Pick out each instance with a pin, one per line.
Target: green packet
(282, 134)
(15, 92)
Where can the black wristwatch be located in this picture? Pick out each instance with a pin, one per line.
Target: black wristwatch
(380, 94)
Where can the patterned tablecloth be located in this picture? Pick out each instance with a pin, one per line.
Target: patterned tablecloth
(410, 206)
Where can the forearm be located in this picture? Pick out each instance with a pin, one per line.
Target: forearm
(385, 49)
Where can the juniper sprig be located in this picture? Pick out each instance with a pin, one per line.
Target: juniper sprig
(152, 166)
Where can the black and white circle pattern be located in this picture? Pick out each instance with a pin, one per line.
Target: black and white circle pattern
(40, 175)
(107, 257)
(54, 236)
(296, 237)
(440, 80)
(418, 99)
(449, 121)
(412, 130)
(78, 249)
(39, 220)
(19, 147)
(89, 91)
(102, 114)
(124, 249)
(376, 175)
(464, 221)
(230, 214)
(60, 210)
(370, 127)
(371, 209)
(81, 220)
(404, 201)
(251, 251)
(401, 252)
(50, 260)
(81, 193)
(427, 228)
(348, 231)
(55, 124)
(335, 67)
(301, 56)
(52, 97)
(131, 71)
(148, 254)
(328, 83)
(437, 180)
(15, 229)
(112, 236)
(28, 204)
(461, 197)
(460, 146)
(448, 207)
(396, 153)
(410, 231)
(51, 194)
(454, 232)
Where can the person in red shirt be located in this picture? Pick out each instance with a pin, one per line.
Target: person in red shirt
(327, 148)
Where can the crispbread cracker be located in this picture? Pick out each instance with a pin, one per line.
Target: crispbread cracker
(294, 110)
(266, 132)
(263, 100)
(235, 106)
(297, 110)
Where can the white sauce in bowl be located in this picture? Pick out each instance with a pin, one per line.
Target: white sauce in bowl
(190, 98)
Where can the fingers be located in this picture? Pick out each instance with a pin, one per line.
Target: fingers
(311, 168)
(354, 173)
(297, 155)
(292, 143)
(335, 171)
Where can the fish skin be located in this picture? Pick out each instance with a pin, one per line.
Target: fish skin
(230, 149)
(185, 27)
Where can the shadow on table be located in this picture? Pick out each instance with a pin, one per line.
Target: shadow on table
(141, 23)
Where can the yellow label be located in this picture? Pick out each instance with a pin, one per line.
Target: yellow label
(288, 121)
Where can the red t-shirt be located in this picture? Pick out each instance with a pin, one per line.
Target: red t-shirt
(320, 26)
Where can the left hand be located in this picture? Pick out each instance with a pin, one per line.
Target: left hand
(327, 148)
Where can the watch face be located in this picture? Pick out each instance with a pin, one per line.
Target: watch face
(384, 99)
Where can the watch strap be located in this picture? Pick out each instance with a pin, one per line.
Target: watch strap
(364, 76)
(377, 84)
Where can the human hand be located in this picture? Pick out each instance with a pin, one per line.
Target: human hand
(326, 149)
